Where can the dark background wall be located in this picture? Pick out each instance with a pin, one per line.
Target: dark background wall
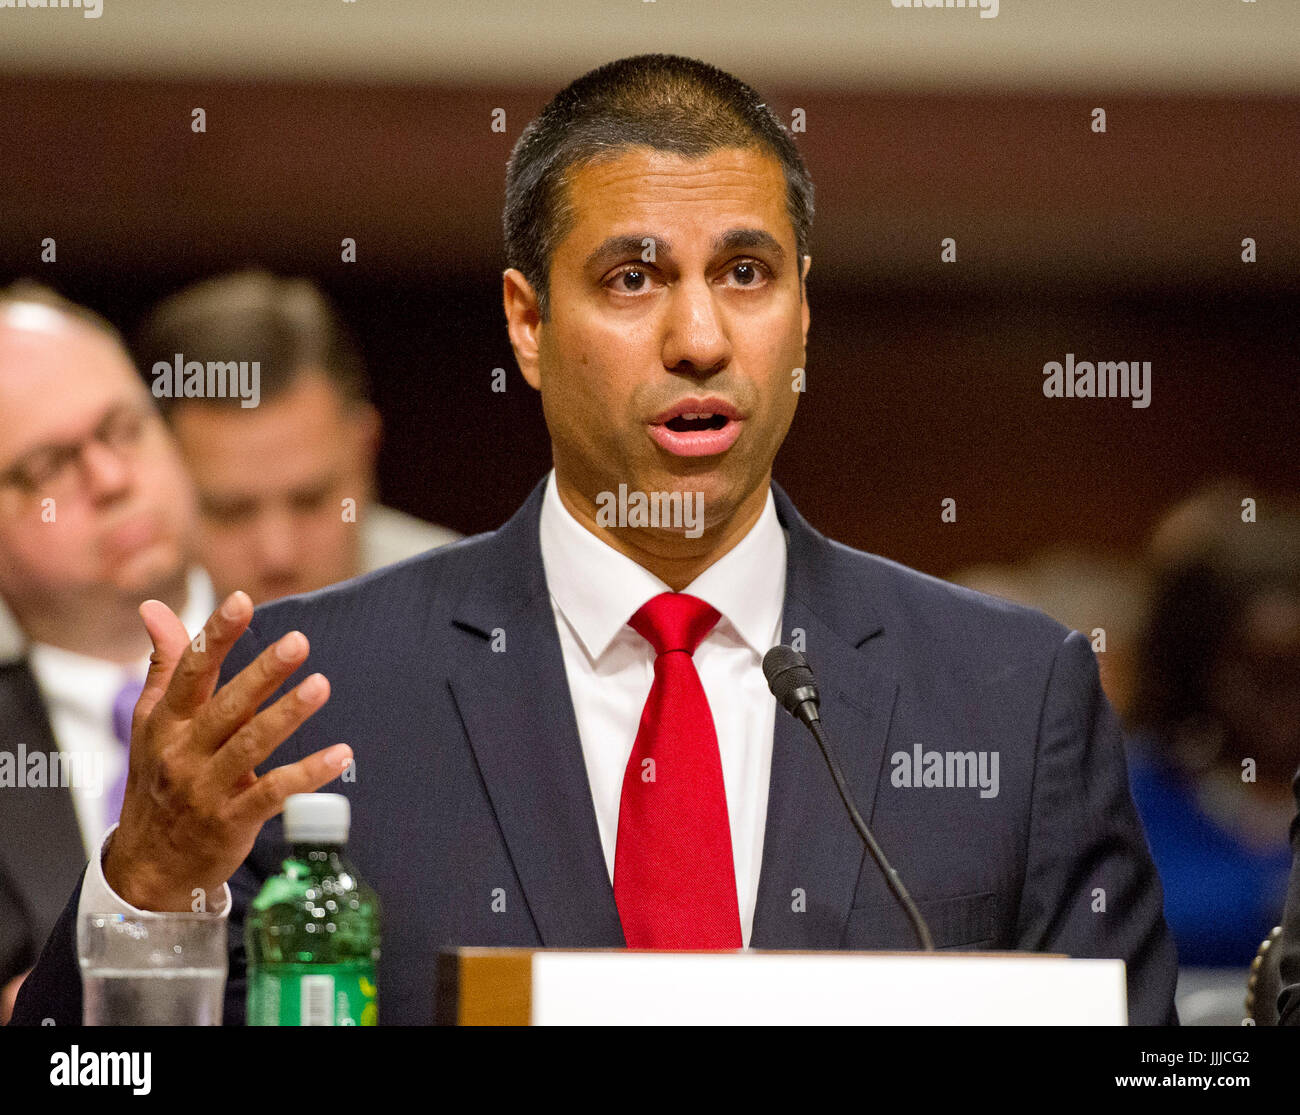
(925, 378)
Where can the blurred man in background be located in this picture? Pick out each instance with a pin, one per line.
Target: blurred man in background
(1101, 594)
(96, 515)
(1217, 708)
(286, 487)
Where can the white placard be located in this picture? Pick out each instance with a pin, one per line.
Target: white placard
(752, 988)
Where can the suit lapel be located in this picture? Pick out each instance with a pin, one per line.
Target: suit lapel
(812, 855)
(519, 718)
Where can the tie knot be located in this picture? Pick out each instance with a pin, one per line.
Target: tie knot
(674, 621)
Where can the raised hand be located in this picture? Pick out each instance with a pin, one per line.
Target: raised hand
(193, 803)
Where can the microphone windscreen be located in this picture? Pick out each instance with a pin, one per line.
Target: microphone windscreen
(786, 670)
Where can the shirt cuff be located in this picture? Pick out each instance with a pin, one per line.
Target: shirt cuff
(97, 897)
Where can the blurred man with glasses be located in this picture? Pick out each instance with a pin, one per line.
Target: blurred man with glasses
(96, 515)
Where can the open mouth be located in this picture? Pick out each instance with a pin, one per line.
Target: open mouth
(697, 427)
(689, 423)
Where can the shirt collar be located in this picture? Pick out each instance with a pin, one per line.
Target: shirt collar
(597, 589)
(82, 679)
(200, 601)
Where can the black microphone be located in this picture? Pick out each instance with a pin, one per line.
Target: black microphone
(791, 681)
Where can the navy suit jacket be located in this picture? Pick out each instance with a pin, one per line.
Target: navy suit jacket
(41, 853)
(470, 785)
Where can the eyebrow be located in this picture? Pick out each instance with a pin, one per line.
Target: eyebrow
(314, 486)
(620, 247)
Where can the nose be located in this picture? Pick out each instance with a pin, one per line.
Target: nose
(696, 339)
(274, 543)
(107, 473)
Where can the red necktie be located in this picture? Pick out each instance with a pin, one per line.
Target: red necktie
(674, 879)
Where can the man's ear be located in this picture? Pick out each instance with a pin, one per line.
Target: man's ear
(805, 312)
(523, 323)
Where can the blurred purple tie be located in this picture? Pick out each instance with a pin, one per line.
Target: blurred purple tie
(123, 707)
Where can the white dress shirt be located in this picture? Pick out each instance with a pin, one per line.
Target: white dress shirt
(594, 591)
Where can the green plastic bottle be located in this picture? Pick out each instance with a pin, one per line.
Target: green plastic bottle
(312, 934)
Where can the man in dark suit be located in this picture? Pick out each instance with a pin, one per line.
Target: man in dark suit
(559, 734)
(96, 511)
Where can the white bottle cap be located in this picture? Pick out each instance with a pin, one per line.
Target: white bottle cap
(316, 818)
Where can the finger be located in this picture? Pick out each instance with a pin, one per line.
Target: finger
(237, 700)
(195, 675)
(169, 642)
(263, 800)
(255, 741)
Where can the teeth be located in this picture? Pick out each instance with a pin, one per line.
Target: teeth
(694, 416)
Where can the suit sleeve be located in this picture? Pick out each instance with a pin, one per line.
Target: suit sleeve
(1091, 888)
(52, 992)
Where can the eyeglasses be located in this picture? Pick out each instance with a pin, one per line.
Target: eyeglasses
(49, 469)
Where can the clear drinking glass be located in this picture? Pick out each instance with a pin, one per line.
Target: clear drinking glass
(152, 969)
